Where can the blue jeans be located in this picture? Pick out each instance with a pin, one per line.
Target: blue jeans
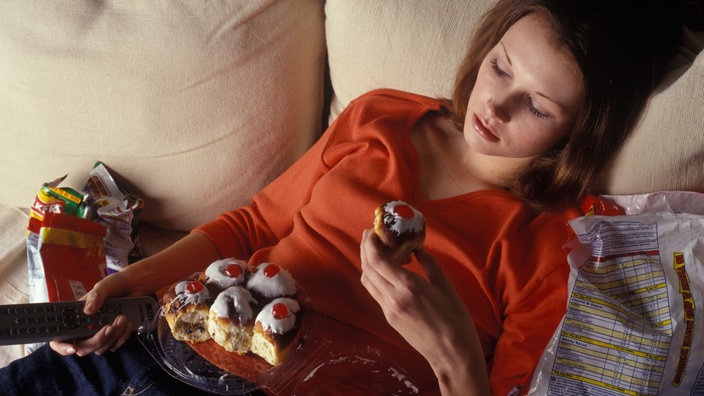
(130, 370)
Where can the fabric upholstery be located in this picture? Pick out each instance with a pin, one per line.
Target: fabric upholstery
(196, 104)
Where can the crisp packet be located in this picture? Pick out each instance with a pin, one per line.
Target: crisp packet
(66, 257)
(633, 321)
(76, 237)
(117, 209)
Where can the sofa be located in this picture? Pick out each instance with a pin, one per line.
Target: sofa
(196, 105)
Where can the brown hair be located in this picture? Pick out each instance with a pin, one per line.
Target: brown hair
(621, 48)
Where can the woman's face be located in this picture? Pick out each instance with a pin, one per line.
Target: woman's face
(527, 94)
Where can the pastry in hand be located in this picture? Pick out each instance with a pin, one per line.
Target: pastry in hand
(401, 228)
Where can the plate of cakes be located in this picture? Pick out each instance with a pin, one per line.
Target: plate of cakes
(231, 328)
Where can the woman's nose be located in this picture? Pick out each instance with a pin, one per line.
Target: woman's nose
(499, 109)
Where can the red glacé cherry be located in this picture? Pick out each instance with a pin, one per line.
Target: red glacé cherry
(271, 270)
(279, 311)
(404, 211)
(194, 287)
(233, 270)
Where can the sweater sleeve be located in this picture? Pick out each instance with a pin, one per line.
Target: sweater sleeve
(533, 312)
(272, 211)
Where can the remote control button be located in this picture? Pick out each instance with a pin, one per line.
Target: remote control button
(71, 317)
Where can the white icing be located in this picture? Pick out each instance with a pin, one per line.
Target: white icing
(401, 225)
(281, 284)
(215, 273)
(234, 300)
(187, 297)
(279, 326)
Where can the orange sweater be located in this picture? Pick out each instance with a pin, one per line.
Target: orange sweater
(507, 264)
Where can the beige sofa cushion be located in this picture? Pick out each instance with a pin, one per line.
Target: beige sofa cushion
(376, 44)
(196, 104)
(13, 269)
(389, 44)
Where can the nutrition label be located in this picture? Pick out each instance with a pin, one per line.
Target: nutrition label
(634, 323)
(616, 334)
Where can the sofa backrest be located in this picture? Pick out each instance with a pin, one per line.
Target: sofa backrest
(194, 105)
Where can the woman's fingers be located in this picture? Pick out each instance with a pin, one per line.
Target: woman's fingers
(118, 333)
(432, 268)
(106, 338)
(63, 348)
(371, 279)
(110, 337)
(121, 341)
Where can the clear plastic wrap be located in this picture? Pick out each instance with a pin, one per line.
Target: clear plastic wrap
(186, 364)
(318, 364)
(182, 362)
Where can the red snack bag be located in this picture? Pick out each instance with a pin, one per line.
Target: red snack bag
(599, 206)
(66, 257)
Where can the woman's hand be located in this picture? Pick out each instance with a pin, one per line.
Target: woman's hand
(111, 336)
(428, 314)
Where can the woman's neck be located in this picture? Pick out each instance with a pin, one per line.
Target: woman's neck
(447, 167)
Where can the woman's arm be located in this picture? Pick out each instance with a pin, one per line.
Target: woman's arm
(429, 315)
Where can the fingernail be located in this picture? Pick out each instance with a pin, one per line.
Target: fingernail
(108, 330)
(70, 350)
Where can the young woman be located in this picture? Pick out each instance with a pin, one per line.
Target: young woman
(544, 98)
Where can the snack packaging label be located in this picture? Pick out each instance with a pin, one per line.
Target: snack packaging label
(634, 321)
(53, 199)
(66, 257)
(77, 238)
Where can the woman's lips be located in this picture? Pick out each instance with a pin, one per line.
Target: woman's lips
(483, 130)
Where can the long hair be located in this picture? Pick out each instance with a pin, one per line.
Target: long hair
(621, 48)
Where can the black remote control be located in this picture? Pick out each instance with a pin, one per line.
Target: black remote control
(65, 320)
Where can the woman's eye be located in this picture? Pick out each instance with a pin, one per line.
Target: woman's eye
(497, 69)
(534, 110)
